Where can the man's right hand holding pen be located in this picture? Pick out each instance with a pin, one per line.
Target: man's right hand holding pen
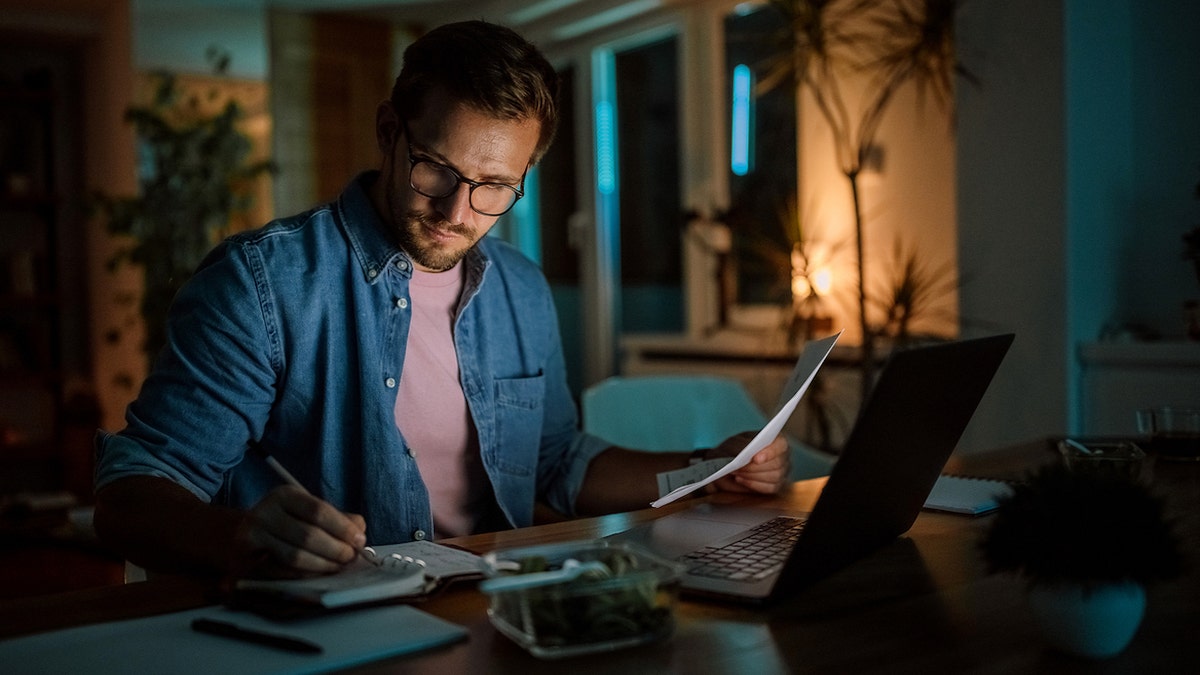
(291, 533)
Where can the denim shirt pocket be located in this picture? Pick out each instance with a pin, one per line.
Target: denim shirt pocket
(519, 413)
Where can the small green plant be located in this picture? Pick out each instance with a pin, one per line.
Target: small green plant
(1084, 527)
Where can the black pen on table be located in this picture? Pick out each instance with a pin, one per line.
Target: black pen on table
(288, 478)
(232, 630)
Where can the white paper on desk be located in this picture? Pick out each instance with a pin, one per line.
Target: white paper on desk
(167, 644)
(811, 358)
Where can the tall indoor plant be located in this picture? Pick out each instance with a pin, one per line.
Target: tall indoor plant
(195, 174)
(894, 43)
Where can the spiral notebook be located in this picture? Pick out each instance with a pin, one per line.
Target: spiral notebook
(401, 571)
(966, 494)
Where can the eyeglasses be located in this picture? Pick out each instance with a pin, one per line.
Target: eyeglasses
(436, 181)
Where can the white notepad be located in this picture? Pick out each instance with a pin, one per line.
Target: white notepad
(167, 644)
(962, 494)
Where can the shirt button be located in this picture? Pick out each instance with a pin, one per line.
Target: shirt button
(402, 303)
(390, 382)
(372, 273)
(412, 453)
(419, 535)
(402, 265)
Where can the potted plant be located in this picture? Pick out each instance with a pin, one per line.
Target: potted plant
(196, 174)
(1087, 543)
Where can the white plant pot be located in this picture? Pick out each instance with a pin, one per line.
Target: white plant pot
(1095, 624)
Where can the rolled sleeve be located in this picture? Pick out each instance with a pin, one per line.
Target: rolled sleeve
(212, 388)
(561, 494)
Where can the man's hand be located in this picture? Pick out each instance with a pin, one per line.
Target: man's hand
(767, 471)
(158, 524)
(620, 479)
(292, 533)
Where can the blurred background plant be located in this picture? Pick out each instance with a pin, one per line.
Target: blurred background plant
(195, 174)
(910, 295)
(892, 42)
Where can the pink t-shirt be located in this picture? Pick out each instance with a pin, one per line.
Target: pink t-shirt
(431, 411)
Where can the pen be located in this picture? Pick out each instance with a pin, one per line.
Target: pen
(232, 630)
(282, 472)
(288, 478)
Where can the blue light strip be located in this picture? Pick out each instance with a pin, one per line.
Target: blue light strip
(741, 159)
(526, 217)
(606, 151)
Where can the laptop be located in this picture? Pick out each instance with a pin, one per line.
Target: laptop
(908, 426)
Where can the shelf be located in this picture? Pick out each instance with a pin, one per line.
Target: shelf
(37, 301)
(43, 348)
(30, 378)
(25, 96)
(29, 201)
(1120, 378)
(32, 451)
(1155, 354)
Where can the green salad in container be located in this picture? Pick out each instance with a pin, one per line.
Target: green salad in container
(581, 597)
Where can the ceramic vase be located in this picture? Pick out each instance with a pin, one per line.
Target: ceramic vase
(1094, 623)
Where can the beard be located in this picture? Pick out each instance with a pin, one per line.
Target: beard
(414, 232)
(413, 235)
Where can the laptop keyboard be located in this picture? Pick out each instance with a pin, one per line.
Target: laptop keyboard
(756, 555)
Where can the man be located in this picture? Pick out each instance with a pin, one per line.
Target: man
(407, 370)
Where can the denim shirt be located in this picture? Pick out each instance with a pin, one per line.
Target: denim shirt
(291, 338)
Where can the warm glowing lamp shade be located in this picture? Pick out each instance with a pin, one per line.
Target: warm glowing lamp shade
(822, 280)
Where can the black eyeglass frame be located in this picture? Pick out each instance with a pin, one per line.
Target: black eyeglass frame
(414, 160)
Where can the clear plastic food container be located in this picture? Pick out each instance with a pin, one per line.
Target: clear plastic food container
(581, 597)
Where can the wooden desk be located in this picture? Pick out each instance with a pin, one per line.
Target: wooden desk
(924, 604)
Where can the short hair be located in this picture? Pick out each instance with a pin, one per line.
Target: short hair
(489, 67)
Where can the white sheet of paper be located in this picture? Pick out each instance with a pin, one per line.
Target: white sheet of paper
(670, 480)
(165, 643)
(811, 358)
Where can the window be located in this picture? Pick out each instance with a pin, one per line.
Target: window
(762, 179)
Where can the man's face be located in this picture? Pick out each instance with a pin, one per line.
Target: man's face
(438, 231)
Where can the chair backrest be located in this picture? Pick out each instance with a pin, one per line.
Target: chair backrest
(669, 412)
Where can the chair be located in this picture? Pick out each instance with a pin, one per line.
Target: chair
(682, 412)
